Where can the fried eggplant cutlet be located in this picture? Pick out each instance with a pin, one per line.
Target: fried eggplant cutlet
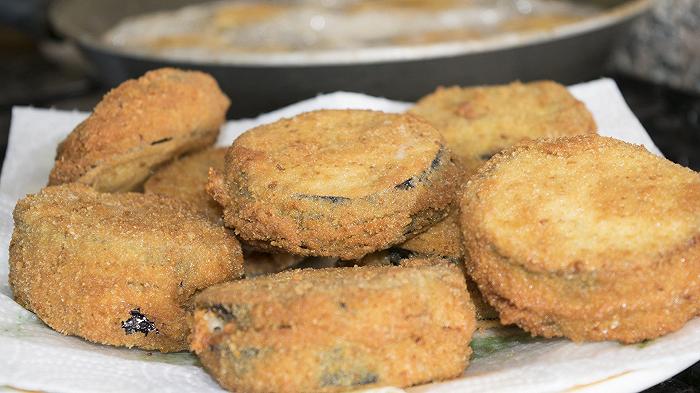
(140, 125)
(585, 237)
(338, 329)
(335, 183)
(116, 269)
(186, 179)
(442, 241)
(478, 122)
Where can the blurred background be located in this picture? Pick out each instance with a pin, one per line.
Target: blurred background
(67, 53)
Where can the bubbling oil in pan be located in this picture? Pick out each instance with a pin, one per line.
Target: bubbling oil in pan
(217, 29)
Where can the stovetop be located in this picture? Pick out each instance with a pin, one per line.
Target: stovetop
(672, 119)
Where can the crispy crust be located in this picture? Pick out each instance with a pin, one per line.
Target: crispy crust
(442, 240)
(477, 122)
(331, 330)
(585, 237)
(186, 179)
(399, 256)
(335, 183)
(84, 261)
(140, 125)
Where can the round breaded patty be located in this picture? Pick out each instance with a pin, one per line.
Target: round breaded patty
(478, 122)
(338, 329)
(116, 269)
(335, 183)
(140, 125)
(186, 179)
(586, 237)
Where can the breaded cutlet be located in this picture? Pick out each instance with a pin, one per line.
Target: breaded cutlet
(337, 329)
(140, 125)
(116, 269)
(586, 237)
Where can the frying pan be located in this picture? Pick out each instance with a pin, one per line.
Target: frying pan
(259, 83)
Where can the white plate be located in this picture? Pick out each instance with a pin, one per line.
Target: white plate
(634, 381)
(33, 357)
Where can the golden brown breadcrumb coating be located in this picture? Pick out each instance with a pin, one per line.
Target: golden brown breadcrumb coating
(443, 239)
(186, 179)
(478, 122)
(338, 329)
(140, 125)
(586, 237)
(116, 269)
(437, 243)
(335, 183)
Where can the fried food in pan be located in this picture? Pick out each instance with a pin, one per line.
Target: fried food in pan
(140, 125)
(186, 179)
(116, 269)
(335, 183)
(585, 237)
(337, 329)
(478, 122)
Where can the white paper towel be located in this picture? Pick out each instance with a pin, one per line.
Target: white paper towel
(34, 357)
